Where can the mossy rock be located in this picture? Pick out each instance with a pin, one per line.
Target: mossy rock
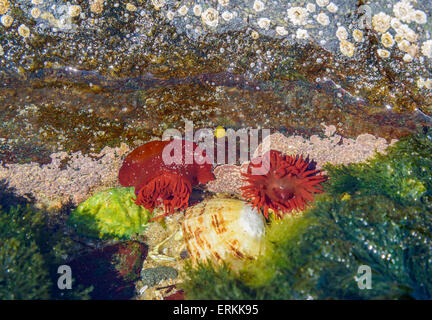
(110, 214)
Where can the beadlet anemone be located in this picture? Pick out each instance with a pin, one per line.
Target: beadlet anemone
(288, 183)
(164, 172)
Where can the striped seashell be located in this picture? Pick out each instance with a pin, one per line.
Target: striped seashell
(223, 230)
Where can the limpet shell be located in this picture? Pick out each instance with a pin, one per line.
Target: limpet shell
(223, 230)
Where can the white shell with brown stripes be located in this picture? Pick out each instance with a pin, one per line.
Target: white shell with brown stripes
(223, 230)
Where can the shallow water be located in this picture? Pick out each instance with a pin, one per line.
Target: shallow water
(83, 82)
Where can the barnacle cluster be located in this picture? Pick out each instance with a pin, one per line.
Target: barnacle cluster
(309, 21)
(398, 28)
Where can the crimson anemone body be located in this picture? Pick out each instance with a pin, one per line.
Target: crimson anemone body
(289, 183)
(165, 177)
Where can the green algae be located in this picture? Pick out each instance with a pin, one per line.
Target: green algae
(31, 253)
(110, 214)
(23, 273)
(377, 214)
(403, 175)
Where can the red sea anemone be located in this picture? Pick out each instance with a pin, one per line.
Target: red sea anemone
(288, 183)
(164, 172)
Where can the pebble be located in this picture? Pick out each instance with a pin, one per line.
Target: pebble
(153, 276)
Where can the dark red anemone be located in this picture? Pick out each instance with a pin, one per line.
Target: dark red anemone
(286, 183)
(164, 172)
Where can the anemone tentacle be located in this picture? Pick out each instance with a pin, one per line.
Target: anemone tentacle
(170, 190)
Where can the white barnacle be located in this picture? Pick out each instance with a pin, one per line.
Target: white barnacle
(404, 45)
(35, 12)
(131, 7)
(403, 10)
(23, 31)
(210, 17)
(358, 35)
(395, 23)
(419, 17)
(383, 53)
(323, 19)
(322, 3)
(297, 15)
(310, 7)
(254, 35)
(387, 40)
(346, 48)
(413, 50)
(407, 33)
(302, 34)
(6, 20)
(223, 3)
(197, 10)
(227, 16)
(158, 3)
(170, 15)
(381, 22)
(264, 23)
(427, 48)
(398, 38)
(281, 31)
(183, 10)
(74, 11)
(332, 7)
(258, 6)
(341, 33)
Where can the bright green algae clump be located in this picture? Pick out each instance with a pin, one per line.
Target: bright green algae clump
(377, 214)
(110, 214)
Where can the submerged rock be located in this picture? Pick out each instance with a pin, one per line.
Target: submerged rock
(152, 276)
(111, 270)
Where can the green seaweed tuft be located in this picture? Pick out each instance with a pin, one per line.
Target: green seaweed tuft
(403, 174)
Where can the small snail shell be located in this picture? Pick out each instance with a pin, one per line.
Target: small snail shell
(223, 230)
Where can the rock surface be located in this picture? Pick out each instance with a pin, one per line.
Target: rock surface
(111, 270)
